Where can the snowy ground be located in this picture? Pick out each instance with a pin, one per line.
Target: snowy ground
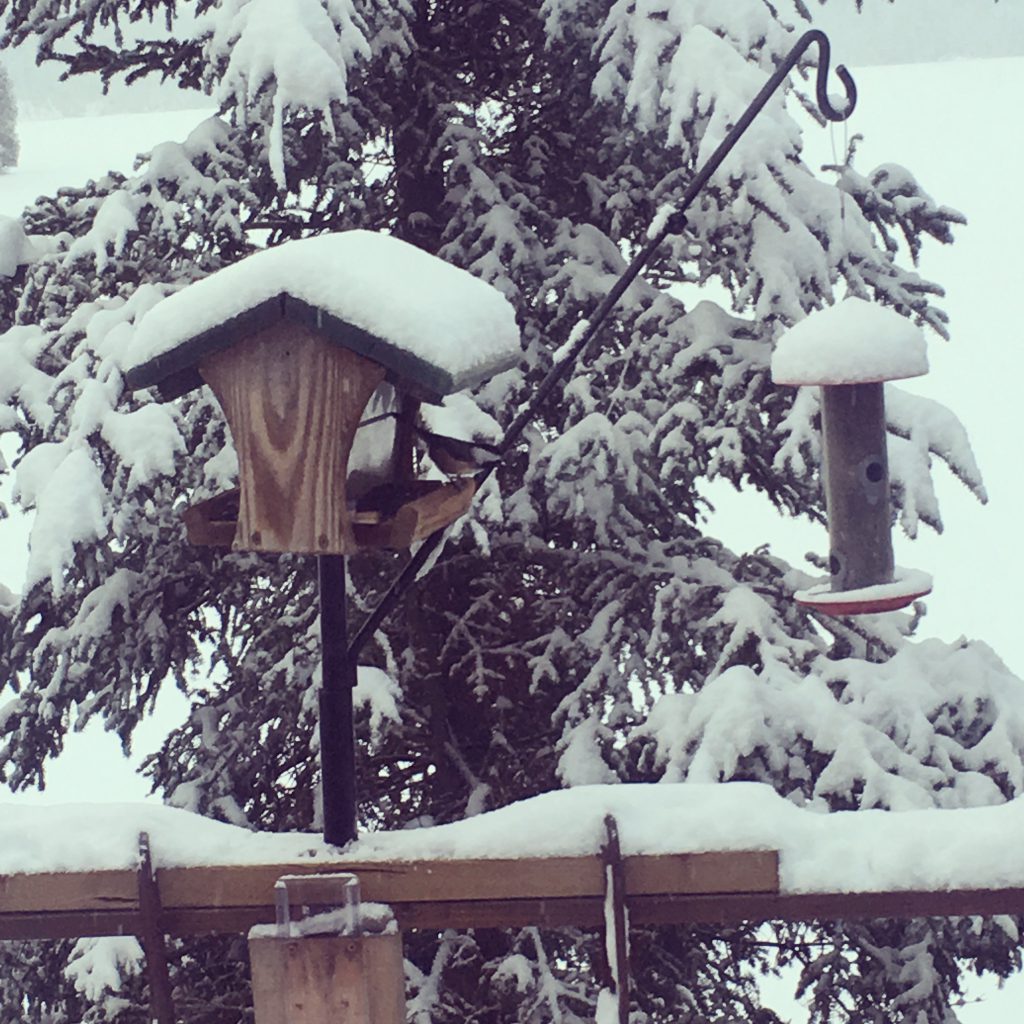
(928, 117)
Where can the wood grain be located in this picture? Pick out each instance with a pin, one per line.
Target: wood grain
(218, 898)
(293, 402)
(674, 890)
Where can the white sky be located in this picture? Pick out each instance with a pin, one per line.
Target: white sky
(906, 31)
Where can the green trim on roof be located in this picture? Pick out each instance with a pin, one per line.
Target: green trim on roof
(175, 372)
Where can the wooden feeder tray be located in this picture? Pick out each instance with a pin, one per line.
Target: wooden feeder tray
(907, 586)
(389, 516)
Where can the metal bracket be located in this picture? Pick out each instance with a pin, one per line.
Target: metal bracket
(616, 920)
(318, 905)
(151, 934)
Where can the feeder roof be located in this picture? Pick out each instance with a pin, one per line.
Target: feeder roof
(852, 342)
(434, 327)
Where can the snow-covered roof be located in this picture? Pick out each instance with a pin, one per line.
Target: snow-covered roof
(435, 327)
(852, 342)
(849, 851)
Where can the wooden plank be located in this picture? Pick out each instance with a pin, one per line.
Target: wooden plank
(462, 880)
(212, 523)
(384, 970)
(713, 908)
(317, 980)
(681, 889)
(71, 924)
(413, 881)
(153, 937)
(58, 891)
(214, 892)
(723, 908)
(432, 881)
(416, 518)
(293, 402)
(743, 871)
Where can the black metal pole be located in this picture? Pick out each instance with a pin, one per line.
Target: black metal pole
(337, 729)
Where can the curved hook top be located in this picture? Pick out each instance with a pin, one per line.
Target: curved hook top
(808, 39)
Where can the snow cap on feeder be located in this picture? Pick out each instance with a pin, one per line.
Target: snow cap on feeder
(850, 350)
(319, 352)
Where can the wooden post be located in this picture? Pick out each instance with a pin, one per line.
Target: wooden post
(161, 1000)
(327, 979)
(857, 485)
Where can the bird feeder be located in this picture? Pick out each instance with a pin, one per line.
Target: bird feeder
(850, 350)
(319, 352)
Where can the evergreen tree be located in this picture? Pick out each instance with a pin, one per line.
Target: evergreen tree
(580, 626)
(8, 122)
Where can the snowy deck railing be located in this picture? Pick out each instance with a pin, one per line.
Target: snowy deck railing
(690, 853)
(423, 894)
(726, 887)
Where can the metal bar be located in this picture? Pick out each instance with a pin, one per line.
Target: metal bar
(337, 728)
(161, 1000)
(616, 924)
(673, 224)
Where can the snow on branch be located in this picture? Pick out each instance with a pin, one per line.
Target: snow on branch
(300, 51)
(935, 725)
(926, 428)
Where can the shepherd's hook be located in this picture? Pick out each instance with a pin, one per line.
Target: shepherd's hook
(821, 84)
(672, 225)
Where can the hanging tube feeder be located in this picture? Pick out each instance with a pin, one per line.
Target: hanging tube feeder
(850, 350)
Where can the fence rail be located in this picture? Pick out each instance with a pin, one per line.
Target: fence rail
(669, 889)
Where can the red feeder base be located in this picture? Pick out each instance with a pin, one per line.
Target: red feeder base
(907, 586)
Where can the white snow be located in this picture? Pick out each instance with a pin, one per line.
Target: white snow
(859, 851)
(414, 301)
(380, 694)
(563, 351)
(66, 487)
(70, 151)
(98, 966)
(905, 583)
(660, 220)
(607, 1010)
(301, 50)
(852, 342)
(460, 417)
(16, 248)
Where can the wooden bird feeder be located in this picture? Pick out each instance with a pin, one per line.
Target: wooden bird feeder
(319, 352)
(849, 350)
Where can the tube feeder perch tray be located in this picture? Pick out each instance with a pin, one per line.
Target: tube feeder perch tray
(850, 350)
(319, 352)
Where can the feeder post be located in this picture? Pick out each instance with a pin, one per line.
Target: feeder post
(856, 485)
(337, 728)
(327, 979)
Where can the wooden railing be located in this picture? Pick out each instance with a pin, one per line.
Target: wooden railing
(666, 889)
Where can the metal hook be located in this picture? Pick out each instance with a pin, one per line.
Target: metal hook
(757, 104)
(815, 35)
